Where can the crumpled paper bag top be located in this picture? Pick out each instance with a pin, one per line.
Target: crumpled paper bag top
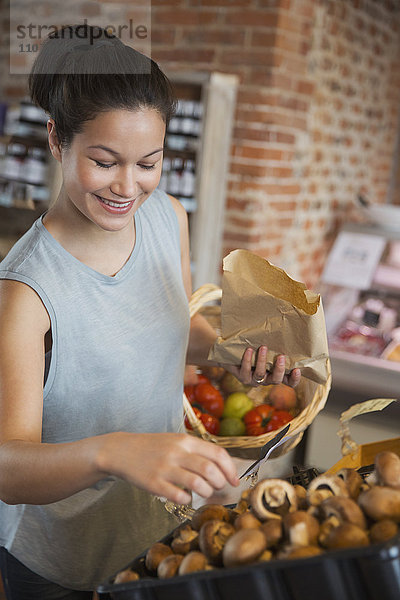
(262, 305)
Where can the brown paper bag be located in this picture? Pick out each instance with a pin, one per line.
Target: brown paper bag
(261, 305)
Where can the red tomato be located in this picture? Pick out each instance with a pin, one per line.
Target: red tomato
(189, 393)
(279, 418)
(198, 414)
(258, 418)
(209, 398)
(202, 379)
(211, 423)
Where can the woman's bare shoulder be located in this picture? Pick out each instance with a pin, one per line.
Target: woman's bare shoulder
(20, 305)
(179, 210)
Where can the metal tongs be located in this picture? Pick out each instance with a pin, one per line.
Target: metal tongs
(266, 450)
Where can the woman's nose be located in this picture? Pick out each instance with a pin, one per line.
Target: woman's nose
(124, 184)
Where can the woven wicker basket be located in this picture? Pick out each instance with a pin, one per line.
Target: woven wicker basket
(312, 396)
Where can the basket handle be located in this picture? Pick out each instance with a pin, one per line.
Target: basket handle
(196, 424)
(205, 293)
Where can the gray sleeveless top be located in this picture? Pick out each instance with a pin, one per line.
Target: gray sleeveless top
(116, 364)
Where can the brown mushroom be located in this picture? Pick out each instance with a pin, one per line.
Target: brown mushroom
(247, 521)
(273, 531)
(299, 552)
(272, 498)
(233, 514)
(243, 547)
(353, 481)
(346, 535)
(387, 469)
(209, 511)
(169, 566)
(241, 507)
(212, 538)
(265, 556)
(325, 528)
(125, 576)
(185, 540)
(301, 495)
(344, 509)
(381, 502)
(323, 487)
(194, 561)
(383, 530)
(155, 554)
(301, 528)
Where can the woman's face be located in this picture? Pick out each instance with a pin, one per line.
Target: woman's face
(113, 165)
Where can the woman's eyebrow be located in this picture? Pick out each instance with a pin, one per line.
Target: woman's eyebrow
(101, 147)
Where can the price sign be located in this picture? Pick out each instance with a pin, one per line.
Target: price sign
(353, 260)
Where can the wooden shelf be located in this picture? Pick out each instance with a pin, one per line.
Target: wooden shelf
(15, 221)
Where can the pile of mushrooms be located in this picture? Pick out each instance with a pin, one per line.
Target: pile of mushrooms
(277, 520)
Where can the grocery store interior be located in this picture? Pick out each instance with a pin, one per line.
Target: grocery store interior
(286, 143)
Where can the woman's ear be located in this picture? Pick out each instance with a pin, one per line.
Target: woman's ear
(54, 144)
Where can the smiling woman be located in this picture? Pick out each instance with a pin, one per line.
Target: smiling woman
(94, 321)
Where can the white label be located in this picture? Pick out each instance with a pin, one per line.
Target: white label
(353, 260)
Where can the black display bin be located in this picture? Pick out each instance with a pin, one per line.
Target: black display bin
(368, 573)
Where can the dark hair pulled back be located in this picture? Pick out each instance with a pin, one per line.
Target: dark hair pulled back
(75, 77)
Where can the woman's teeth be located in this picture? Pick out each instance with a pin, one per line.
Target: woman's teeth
(115, 204)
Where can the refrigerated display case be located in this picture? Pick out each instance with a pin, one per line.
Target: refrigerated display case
(363, 323)
(362, 312)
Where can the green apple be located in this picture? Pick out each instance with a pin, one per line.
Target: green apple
(232, 426)
(237, 405)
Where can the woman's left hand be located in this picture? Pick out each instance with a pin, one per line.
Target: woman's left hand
(259, 375)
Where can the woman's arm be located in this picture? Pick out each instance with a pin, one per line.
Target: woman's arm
(36, 473)
(31, 471)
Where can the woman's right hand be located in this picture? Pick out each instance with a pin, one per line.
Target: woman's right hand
(165, 463)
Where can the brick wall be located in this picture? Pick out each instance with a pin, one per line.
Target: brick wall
(317, 113)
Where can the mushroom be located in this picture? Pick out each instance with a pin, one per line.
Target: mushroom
(273, 532)
(325, 528)
(323, 487)
(381, 502)
(346, 535)
(301, 494)
(272, 498)
(344, 509)
(243, 547)
(241, 507)
(387, 469)
(212, 538)
(301, 528)
(383, 530)
(185, 540)
(194, 561)
(353, 481)
(265, 556)
(299, 552)
(125, 576)
(243, 503)
(169, 566)
(233, 514)
(209, 511)
(155, 554)
(247, 521)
